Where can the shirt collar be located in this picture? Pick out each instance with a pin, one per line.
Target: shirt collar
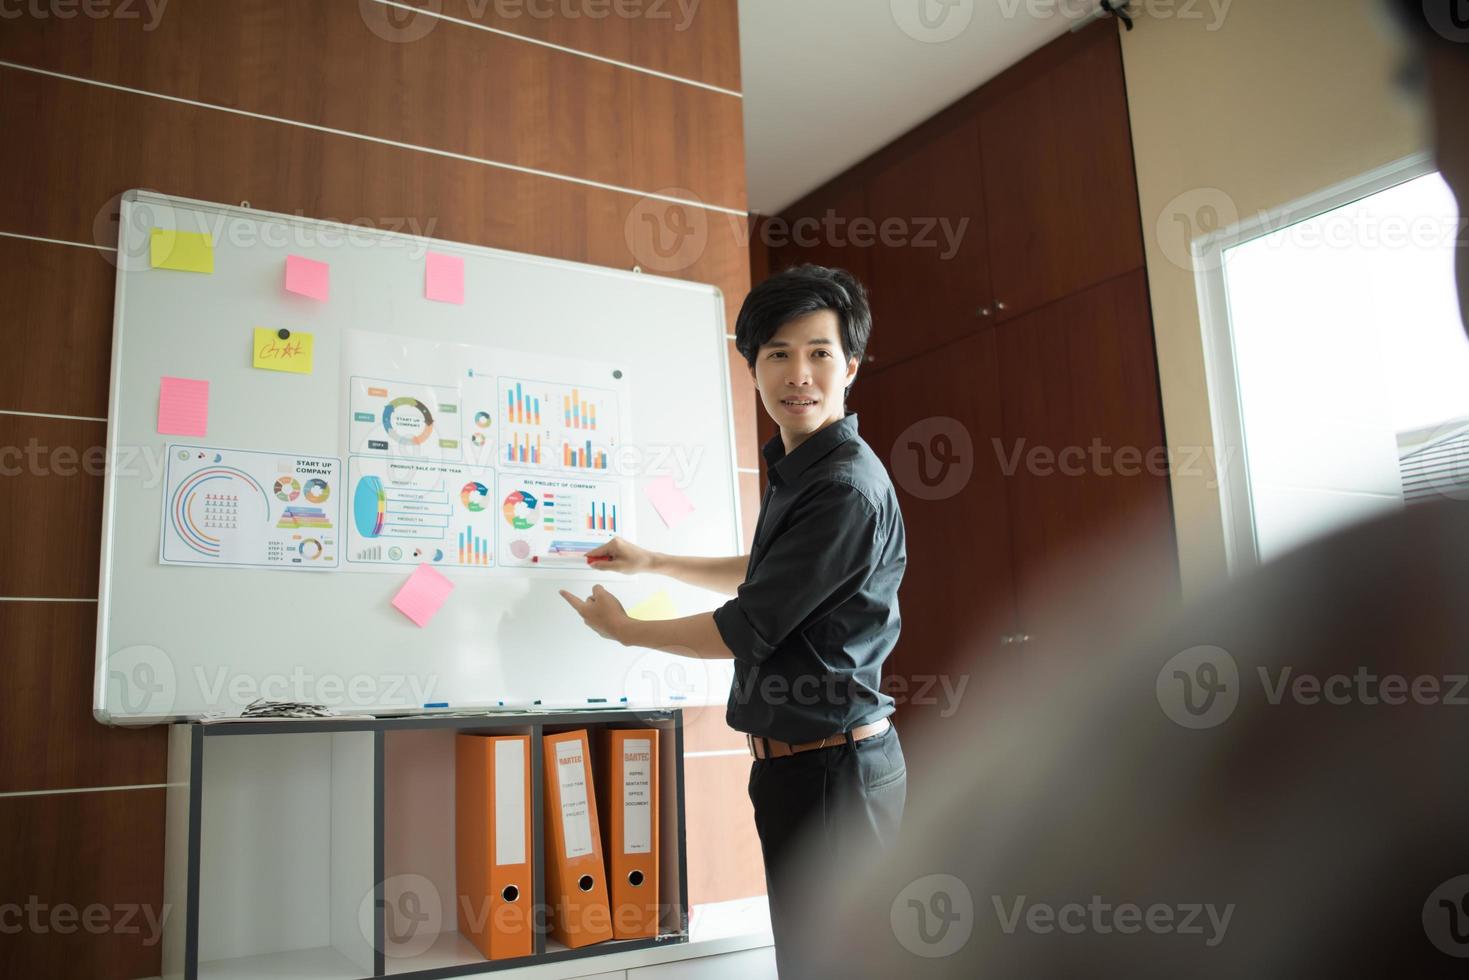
(785, 468)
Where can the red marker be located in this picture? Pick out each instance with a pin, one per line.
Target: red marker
(595, 558)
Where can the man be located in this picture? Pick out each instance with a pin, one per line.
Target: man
(1273, 786)
(815, 610)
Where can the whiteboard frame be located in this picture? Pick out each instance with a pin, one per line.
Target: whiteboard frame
(135, 196)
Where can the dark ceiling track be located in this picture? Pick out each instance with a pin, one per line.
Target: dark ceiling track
(1119, 10)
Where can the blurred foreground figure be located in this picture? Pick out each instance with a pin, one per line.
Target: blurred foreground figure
(1275, 786)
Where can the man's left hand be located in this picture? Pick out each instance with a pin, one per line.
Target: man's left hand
(601, 611)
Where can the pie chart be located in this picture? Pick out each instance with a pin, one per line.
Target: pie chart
(369, 506)
(473, 495)
(287, 489)
(517, 509)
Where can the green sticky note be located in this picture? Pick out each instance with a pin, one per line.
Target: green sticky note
(183, 251)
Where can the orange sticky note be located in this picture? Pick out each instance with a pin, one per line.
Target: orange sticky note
(443, 278)
(308, 277)
(421, 596)
(669, 501)
(183, 407)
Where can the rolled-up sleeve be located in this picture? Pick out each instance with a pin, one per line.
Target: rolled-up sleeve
(821, 558)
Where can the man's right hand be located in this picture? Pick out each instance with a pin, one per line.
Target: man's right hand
(620, 555)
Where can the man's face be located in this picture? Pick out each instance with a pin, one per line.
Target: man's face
(802, 375)
(1448, 72)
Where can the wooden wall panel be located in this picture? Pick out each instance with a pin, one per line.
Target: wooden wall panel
(50, 506)
(693, 39)
(56, 311)
(457, 89)
(51, 741)
(63, 854)
(72, 147)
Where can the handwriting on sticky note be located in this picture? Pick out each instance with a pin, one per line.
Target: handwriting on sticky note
(183, 407)
(669, 501)
(421, 596)
(183, 251)
(443, 278)
(308, 277)
(272, 352)
(659, 605)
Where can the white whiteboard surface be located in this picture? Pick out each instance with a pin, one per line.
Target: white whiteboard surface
(177, 641)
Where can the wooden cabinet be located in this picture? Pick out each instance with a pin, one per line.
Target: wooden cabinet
(1083, 443)
(933, 420)
(1060, 186)
(929, 272)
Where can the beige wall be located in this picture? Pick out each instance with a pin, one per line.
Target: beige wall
(1282, 98)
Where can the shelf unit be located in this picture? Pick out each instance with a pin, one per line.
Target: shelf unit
(324, 850)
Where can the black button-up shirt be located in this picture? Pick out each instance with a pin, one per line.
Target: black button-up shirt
(818, 611)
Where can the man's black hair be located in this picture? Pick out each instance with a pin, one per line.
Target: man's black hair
(796, 292)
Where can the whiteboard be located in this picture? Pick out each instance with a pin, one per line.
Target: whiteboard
(247, 562)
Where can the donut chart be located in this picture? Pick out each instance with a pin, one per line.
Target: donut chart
(310, 549)
(287, 489)
(317, 490)
(474, 495)
(408, 421)
(517, 508)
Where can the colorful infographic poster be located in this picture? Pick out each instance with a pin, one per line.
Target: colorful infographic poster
(407, 512)
(547, 522)
(557, 428)
(403, 420)
(232, 507)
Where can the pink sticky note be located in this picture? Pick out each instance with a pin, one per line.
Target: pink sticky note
(308, 277)
(670, 502)
(443, 278)
(183, 407)
(422, 595)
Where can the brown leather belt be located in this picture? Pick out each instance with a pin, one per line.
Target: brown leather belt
(774, 748)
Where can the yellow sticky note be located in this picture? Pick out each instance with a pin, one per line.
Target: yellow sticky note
(272, 352)
(659, 605)
(185, 251)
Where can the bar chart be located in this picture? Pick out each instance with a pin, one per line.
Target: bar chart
(522, 448)
(473, 549)
(583, 457)
(521, 408)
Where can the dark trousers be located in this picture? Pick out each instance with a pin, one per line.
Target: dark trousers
(820, 814)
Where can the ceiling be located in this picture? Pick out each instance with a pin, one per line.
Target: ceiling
(826, 82)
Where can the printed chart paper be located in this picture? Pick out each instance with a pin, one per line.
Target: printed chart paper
(231, 507)
(550, 522)
(408, 512)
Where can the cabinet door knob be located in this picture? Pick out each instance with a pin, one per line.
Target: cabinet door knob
(1006, 640)
(870, 358)
(1023, 638)
(982, 311)
(999, 306)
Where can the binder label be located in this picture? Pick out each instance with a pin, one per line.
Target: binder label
(576, 822)
(637, 796)
(510, 801)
